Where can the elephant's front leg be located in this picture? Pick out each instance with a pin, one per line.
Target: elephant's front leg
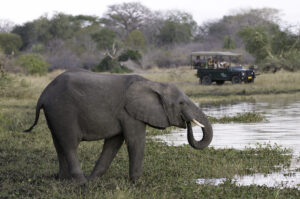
(134, 133)
(110, 148)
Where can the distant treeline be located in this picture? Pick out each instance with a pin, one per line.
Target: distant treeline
(131, 31)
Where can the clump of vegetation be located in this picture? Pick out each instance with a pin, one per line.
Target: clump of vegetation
(248, 117)
(4, 78)
(10, 43)
(33, 64)
(109, 64)
(133, 55)
(273, 48)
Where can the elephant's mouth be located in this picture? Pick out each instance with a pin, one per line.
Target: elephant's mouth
(185, 122)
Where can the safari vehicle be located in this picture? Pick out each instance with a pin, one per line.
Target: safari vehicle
(220, 67)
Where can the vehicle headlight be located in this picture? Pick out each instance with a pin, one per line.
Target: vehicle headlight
(243, 74)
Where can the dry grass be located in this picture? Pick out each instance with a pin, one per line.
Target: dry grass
(280, 84)
(266, 85)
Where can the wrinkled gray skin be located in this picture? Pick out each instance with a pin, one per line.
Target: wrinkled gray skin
(85, 106)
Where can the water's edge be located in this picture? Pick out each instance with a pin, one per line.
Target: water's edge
(282, 127)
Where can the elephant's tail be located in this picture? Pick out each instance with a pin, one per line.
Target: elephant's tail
(37, 115)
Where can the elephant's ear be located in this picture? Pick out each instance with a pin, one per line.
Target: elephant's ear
(144, 103)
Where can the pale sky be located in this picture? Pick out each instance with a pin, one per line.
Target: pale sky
(20, 11)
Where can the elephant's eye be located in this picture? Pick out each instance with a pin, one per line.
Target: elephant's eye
(181, 102)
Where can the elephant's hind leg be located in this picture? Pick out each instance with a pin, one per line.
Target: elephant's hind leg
(110, 148)
(63, 166)
(69, 166)
(74, 165)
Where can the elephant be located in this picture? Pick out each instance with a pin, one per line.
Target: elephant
(81, 105)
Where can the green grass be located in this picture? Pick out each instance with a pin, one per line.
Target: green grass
(248, 117)
(29, 164)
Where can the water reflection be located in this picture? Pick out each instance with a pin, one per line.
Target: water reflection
(282, 127)
(289, 178)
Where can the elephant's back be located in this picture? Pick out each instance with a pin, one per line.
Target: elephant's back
(86, 90)
(86, 79)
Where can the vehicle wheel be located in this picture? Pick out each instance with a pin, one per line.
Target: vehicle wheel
(236, 80)
(220, 82)
(206, 80)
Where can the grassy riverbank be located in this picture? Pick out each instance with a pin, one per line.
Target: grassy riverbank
(28, 166)
(28, 162)
(248, 117)
(268, 85)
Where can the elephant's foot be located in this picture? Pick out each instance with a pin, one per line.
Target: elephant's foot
(134, 180)
(79, 178)
(64, 175)
(93, 177)
(67, 176)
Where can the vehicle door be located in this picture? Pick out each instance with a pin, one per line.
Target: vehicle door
(220, 74)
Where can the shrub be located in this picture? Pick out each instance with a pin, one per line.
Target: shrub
(111, 65)
(290, 61)
(4, 80)
(33, 64)
(10, 42)
(136, 40)
(134, 55)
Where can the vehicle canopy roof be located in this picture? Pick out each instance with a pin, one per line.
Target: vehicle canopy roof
(215, 53)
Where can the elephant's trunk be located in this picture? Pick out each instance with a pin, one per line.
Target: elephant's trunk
(207, 133)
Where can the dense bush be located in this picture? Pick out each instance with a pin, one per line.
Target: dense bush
(289, 61)
(33, 64)
(133, 55)
(111, 65)
(10, 43)
(4, 80)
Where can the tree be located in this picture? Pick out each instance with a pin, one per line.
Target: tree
(257, 42)
(213, 32)
(228, 42)
(26, 32)
(126, 17)
(283, 41)
(173, 32)
(178, 27)
(10, 43)
(182, 18)
(104, 38)
(34, 32)
(44, 29)
(63, 26)
(136, 40)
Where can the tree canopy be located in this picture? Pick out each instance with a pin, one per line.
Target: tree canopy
(162, 38)
(10, 43)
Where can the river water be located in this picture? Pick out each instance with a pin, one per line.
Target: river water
(281, 127)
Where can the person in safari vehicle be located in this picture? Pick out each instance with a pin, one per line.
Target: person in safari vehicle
(212, 67)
